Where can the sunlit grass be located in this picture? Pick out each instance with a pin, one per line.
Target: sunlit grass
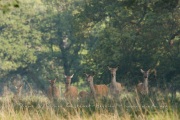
(127, 107)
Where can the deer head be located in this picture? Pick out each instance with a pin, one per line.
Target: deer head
(89, 77)
(113, 70)
(68, 79)
(52, 82)
(145, 73)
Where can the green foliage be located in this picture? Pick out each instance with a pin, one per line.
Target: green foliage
(136, 36)
(19, 41)
(52, 38)
(6, 5)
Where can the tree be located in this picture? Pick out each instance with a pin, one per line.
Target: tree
(19, 40)
(135, 34)
(62, 33)
(7, 5)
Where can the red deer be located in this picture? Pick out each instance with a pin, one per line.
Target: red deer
(71, 92)
(83, 94)
(143, 86)
(53, 91)
(115, 87)
(96, 90)
(17, 93)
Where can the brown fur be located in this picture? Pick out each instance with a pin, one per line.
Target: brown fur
(143, 86)
(101, 90)
(18, 91)
(71, 91)
(140, 88)
(115, 87)
(83, 94)
(113, 90)
(97, 90)
(53, 91)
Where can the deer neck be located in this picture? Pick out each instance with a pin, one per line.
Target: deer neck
(91, 84)
(67, 86)
(113, 81)
(146, 84)
(52, 87)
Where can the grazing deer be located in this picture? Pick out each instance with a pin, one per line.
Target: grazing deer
(18, 90)
(96, 90)
(53, 91)
(115, 87)
(83, 94)
(143, 87)
(71, 91)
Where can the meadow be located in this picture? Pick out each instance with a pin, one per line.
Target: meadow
(128, 106)
(45, 40)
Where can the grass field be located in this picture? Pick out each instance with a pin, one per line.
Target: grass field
(128, 106)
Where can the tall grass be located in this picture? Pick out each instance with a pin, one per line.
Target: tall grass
(126, 107)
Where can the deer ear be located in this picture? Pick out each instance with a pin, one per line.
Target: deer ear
(65, 76)
(49, 80)
(149, 71)
(109, 68)
(72, 75)
(86, 74)
(142, 70)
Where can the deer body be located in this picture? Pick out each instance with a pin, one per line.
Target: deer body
(18, 91)
(115, 87)
(53, 91)
(101, 90)
(97, 90)
(71, 91)
(83, 94)
(143, 86)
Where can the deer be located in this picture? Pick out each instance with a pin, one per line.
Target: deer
(83, 94)
(53, 91)
(142, 87)
(96, 90)
(71, 91)
(115, 87)
(18, 90)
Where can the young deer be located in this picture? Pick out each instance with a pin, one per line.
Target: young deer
(115, 87)
(18, 90)
(71, 91)
(97, 90)
(83, 94)
(53, 91)
(143, 87)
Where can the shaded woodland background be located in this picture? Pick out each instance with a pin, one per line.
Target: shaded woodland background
(45, 39)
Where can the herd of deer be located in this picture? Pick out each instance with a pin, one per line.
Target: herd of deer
(115, 88)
